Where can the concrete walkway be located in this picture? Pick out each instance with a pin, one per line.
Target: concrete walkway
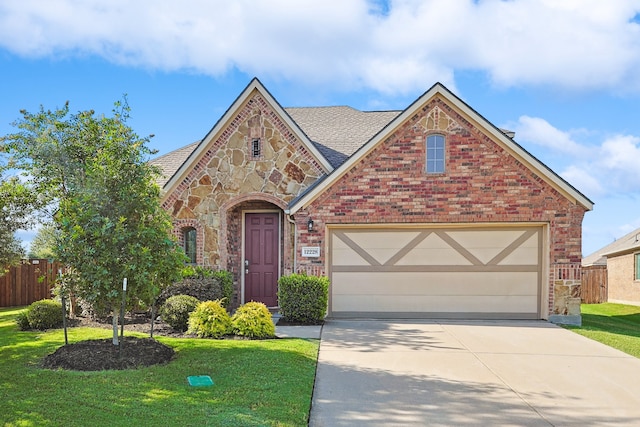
(309, 332)
(518, 373)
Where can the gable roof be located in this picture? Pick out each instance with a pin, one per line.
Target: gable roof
(192, 158)
(627, 243)
(339, 131)
(504, 140)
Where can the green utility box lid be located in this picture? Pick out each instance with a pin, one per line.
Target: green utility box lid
(200, 381)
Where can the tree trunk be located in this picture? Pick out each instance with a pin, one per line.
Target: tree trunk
(114, 323)
(153, 318)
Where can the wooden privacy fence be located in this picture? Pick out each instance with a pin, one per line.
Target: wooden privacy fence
(594, 286)
(28, 282)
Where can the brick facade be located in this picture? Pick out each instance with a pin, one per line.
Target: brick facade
(255, 162)
(623, 288)
(483, 183)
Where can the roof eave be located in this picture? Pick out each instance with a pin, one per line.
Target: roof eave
(625, 251)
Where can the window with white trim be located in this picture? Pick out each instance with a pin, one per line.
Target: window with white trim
(435, 153)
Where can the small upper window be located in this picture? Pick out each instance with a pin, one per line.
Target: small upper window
(435, 154)
(190, 240)
(637, 264)
(255, 147)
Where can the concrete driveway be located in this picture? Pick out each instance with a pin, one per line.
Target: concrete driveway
(485, 373)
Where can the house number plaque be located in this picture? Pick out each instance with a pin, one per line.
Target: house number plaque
(311, 251)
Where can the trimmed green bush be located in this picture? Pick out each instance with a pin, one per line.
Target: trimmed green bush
(22, 321)
(225, 280)
(210, 320)
(253, 320)
(45, 314)
(203, 284)
(303, 298)
(176, 310)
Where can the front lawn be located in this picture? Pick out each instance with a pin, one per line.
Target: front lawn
(256, 383)
(615, 325)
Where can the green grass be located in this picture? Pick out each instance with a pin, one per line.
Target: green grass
(615, 325)
(257, 383)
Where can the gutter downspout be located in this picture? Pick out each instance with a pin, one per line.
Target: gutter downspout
(295, 240)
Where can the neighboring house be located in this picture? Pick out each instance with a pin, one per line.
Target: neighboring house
(622, 261)
(427, 212)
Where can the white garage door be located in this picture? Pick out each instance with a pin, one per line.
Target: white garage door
(436, 272)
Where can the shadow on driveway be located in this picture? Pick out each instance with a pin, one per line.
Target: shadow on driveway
(468, 374)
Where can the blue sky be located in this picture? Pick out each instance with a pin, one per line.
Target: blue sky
(562, 75)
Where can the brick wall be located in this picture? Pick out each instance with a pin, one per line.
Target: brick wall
(622, 286)
(483, 183)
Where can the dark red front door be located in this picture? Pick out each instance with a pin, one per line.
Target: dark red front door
(262, 257)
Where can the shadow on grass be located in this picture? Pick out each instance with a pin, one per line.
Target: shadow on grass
(627, 324)
(255, 383)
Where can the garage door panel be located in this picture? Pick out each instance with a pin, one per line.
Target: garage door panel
(435, 304)
(527, 253)
(477, 243)
(380, 245)
(491, 271)
(408, 284)
(433, 251)
(436, 283)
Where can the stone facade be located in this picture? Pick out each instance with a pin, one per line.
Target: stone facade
(254, 163)
(483, 183)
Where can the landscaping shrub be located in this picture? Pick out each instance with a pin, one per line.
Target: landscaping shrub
(303, 298)
(210, 319)
(203, 284)
(253, 320)
(176, 310)
(22, 321)
(44, 314)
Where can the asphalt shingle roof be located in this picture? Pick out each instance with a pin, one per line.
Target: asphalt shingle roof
(627, 242)
(170, 163)
(339, 131)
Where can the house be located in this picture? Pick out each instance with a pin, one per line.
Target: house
(427, 212)
(621, 259)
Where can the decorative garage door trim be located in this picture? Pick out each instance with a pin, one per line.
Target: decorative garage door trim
(439, 260)
(476, 264)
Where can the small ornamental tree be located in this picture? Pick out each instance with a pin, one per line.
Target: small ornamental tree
(109, 220)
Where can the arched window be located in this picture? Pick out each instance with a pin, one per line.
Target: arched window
(435, 154)
(190, 244)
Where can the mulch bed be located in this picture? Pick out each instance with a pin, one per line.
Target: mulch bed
(100, 355)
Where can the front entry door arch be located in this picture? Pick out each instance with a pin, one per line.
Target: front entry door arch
(261, 261)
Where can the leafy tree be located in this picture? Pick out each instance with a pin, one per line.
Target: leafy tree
(109, 218)
(16, 206)
(44, 243)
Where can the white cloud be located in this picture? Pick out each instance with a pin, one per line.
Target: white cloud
(608, 167)
(540, 132)
(396, 49)
(619, 163)
(582, 179)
